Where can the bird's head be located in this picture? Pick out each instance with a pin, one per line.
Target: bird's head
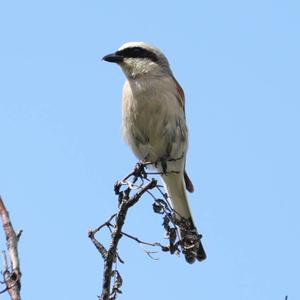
(138, 59)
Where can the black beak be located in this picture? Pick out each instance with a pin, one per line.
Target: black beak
(114, 58)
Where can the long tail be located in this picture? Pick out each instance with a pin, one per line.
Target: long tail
(177, 193)
(176, 188)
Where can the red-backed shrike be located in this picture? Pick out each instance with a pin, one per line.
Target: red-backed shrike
(154, 124)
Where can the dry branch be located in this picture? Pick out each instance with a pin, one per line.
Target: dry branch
(12, 273)
(129, 190)
(110, 255)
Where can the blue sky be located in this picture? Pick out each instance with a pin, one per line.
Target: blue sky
(61, 146)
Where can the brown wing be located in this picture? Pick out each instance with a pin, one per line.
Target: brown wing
(188, 182)
(180, 97)
(181, 100)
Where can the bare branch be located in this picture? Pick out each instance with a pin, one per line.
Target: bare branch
(12, 274)
(129, 190)
(116, 236)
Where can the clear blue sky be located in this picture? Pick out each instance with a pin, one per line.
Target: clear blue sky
(61, 147)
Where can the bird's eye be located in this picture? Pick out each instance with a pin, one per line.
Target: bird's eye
(137, 52)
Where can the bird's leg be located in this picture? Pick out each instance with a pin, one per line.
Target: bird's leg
(164, 166)
(163, 162)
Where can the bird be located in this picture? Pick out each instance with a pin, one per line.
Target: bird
(154, 126)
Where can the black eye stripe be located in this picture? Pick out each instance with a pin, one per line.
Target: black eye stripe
(137, 52)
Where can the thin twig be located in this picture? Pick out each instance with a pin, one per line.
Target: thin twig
(156, 244)
(101, 226)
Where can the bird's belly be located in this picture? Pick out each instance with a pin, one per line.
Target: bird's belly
(155, 133)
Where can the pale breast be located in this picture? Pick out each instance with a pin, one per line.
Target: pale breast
(153, 120)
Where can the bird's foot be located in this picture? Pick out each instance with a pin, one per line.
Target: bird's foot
(139, 169)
